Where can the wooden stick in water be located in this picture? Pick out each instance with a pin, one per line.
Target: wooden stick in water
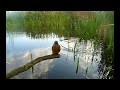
(29, 65)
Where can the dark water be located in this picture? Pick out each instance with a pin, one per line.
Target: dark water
(85, 62)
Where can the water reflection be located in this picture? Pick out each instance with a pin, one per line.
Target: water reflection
(80, 59)
(19, 46)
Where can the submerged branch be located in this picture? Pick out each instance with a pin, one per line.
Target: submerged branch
(66, 48)
(29, 65)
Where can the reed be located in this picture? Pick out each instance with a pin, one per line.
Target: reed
(62, 23)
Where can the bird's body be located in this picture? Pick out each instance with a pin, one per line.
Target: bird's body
(55, 48)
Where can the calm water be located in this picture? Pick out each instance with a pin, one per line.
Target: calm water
(19, 46)
(85, 62)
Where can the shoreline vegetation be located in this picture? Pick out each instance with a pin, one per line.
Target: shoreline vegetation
(85, 25)
(96, 25)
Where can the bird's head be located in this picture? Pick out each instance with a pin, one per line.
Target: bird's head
(56, 42)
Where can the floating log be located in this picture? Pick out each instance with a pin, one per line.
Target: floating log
(29, 65)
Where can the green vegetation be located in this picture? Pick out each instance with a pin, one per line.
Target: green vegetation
(97, 25)
(63, 23)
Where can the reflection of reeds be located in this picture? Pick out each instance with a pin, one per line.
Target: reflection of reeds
(86, 71)
(78, 59)
(75, 46)
(60, 23)
(32, 67)
(74, 54)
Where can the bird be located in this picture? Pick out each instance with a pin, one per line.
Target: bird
(55, 48)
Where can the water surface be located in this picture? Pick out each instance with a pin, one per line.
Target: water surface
(85, 61)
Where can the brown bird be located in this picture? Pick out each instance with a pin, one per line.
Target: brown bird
(55, 48)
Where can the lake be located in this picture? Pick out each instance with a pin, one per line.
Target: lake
(80, 57)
